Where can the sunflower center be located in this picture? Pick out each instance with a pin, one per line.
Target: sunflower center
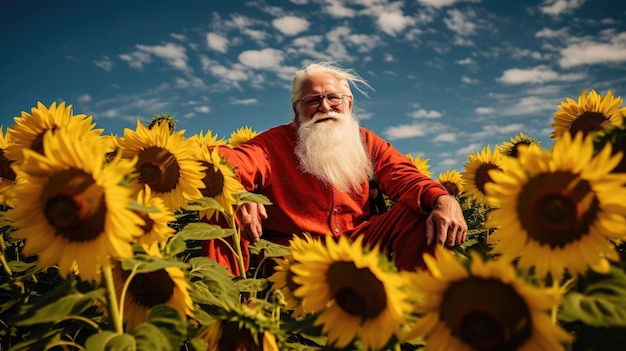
(357, 291)
(213, 181)
(557, 208)
(487, 314)
(158, 168)
(6, 171)
(589, 122)
(482, 176)
(149, 223)
(236, 339)
(74, 205)
(452, 188)
(515, 149)
(151, 289)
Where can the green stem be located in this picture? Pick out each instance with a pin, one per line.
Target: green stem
(237, 245)
(114, 313)
(3, 259)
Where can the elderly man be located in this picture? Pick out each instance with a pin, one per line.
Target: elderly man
(317, 171)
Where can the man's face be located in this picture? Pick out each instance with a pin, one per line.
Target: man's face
(321, 93)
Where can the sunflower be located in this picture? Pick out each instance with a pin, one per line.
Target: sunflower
(229, 335)
(563, 208)
(70, 207)
(220, 182)
(352, 290)
(156, 228)
(477, 175)
(422, 165)
(590, 114)
(242, 326)
(485, 306)
(146, 290)
(165, 163)
(616, 135)
(29, 129)
(452, 181)
(163, 118)
(240, 136)
(7, 175)
(207, 140)
(510, 148)
(282, 279)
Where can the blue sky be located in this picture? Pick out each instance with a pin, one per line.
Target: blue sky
(449, 76)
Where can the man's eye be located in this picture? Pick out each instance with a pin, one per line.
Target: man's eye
(312, 101)
(334, 98)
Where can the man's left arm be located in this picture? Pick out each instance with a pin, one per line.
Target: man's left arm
(446, 223)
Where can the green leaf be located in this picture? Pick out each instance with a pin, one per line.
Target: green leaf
(269, 249)
(56, 305)
(251, 197)
(136, 206)
(23, 267)
(600, 303)
(164, 330)
(147, 263)
(206, 203)
(204, 231)
(251, 285)
(108, 340)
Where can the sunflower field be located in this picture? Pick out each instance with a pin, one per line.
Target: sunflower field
(102, 247)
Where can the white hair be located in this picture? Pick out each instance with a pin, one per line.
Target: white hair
(346, 78)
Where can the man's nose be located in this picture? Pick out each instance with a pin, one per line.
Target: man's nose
(324, 105)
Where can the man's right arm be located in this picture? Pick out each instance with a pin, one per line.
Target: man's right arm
(249, 216)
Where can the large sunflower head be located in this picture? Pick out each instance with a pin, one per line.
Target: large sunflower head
(70, 207)
(452, 181)
(352, 289)
(29, 128)
(477, 172)
(220, 182)
(510, 148)
(240, 136)
(165, 163)
(148, 289)
(564, 206)
(156, 217)
(591, 113)
(485, 306)
(421, 164)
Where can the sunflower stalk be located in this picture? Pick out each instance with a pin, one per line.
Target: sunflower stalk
(3, 259)
(115, 317)
(237, 244)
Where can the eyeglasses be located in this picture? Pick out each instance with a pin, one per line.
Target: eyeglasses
(333, 99)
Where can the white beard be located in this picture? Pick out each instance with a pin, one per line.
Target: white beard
(333, 151)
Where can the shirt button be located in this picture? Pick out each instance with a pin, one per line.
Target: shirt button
(336, 230)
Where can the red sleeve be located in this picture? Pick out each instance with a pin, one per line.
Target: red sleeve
(398, 177)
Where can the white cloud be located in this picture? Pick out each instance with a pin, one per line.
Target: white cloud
(136, 59)
(469, 149)
(422, 113)
(558, 7)
(539, 74)
(485, 110)
(459, 23)
(468, 80)
(404, 131)
(106, 63)
(336, 9)
(202, 109)
(217, 42)
(446, 137)
(589, 51)
(291, 25)
(173, 54)
(394, 21)
(437, 3)
(262, 59)
(84, 99)
(251, 101)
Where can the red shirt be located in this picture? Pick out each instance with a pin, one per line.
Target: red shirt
(301, 203)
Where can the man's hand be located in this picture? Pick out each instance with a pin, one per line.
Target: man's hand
(446, 223)
(249, 216)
